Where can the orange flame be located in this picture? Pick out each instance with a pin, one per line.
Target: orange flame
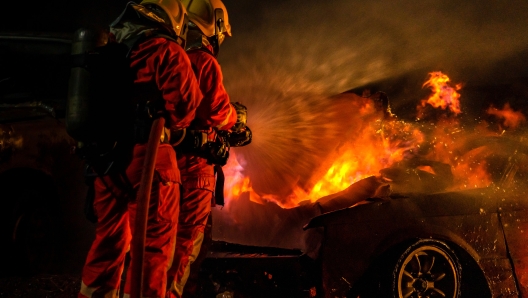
(236, 183)
(384, 142)
(371, 151)
(510, 118)
(468, 170)
(374, 148)
(444, 96)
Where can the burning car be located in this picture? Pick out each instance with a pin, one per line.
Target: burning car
(41, 180)
(429, 207)
(428, 245)
(423, 233)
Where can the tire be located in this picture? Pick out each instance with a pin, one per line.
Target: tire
(406, 271)
(427, 268)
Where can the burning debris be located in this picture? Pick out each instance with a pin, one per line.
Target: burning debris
(444, 95)
(509, 118)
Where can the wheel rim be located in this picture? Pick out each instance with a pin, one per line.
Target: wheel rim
(427, 272)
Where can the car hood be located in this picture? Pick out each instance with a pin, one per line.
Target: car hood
(413, 205)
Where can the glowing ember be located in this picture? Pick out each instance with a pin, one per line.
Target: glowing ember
(444, 96)
(471, 174)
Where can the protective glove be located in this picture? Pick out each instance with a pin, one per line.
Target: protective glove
(241, 138)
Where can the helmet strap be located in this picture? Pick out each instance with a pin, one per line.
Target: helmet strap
(219, 22)
(182, 39)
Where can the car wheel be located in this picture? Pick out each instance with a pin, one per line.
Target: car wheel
(428, 268)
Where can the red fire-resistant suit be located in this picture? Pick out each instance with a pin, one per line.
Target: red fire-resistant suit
(198, 178)
(164, 65)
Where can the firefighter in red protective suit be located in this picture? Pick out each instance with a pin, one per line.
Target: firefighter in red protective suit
(163, 82)
(208, 26)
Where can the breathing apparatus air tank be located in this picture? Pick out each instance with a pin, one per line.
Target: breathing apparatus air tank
(80, 105)
(99, 91)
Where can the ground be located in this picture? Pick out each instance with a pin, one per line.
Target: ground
(40, 286)
(242, 274)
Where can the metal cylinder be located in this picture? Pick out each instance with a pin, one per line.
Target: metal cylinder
(80, 109)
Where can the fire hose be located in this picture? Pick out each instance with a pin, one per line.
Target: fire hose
(143, 199)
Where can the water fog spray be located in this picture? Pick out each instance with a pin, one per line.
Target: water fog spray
(287, 58)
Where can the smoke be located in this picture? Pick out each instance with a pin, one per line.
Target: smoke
(286, 57)
(338, 45)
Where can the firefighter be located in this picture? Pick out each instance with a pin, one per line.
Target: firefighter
(208, 27)
(164, 82)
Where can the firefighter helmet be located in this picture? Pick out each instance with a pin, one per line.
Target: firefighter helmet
(211, 18)
(170, 12)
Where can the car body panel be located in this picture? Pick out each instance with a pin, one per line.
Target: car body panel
(514, 217)
(356, 236)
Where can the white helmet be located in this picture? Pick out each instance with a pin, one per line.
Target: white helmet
(211, 17)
